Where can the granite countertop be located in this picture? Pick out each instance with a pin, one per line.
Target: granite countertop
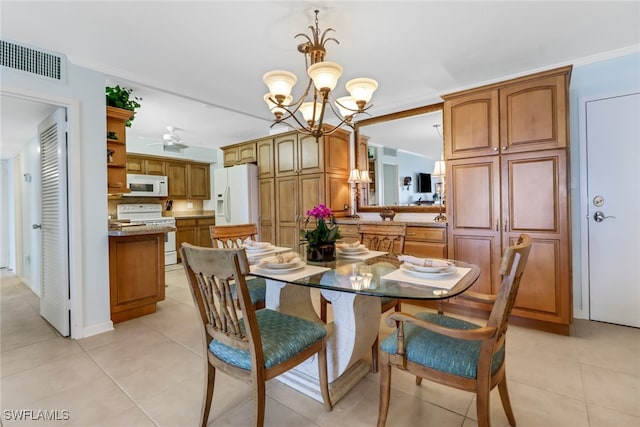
(431, 224)
(140, 229)
(190, 214)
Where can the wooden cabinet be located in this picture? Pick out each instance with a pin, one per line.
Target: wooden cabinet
(136, 275)
(427, 242)
(266, 161)
(239, 154)
(297, 154)
(194, 231)
(146, 165)
(116, 154)
(522, 187)
(188, 180)
(267, 213)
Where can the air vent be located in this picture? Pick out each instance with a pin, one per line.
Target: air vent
(389, 151)
(32, 61)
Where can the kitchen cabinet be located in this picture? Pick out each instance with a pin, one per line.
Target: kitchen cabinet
(294, 196)
(136, 275)
(116, 154)
(522, 187)
(194, 231)
(426, 242)
(146, 165)
(266, 161)
(297, 154)
(188, 180)
(239, 154)
(267, 211)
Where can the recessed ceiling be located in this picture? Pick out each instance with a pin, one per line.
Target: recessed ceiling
(199, 65)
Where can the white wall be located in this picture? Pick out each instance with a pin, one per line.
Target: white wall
(7, 237)
(83, 95)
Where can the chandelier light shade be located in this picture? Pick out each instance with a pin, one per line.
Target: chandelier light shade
(318, 95)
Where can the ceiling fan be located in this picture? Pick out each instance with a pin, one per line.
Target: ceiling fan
(172, 141)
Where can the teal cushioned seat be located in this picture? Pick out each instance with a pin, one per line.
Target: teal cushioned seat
(282, 337)
(440, 352)
(257, 289)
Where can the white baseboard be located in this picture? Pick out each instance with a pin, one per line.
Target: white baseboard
(97, 329)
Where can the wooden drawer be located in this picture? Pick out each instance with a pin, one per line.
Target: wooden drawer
(186, 222)
(425, 249)
(206, 221)
(427, 233)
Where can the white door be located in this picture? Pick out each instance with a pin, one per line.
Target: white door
(613, 182)
(54, 294)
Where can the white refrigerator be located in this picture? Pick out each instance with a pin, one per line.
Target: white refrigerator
(236, 194)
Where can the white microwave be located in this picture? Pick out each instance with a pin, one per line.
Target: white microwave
(147, 185)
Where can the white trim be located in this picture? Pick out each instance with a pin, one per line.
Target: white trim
(97, 329)
(76, 261)
(584, 312)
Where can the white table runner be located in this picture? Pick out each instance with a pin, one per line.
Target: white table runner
(445, 282)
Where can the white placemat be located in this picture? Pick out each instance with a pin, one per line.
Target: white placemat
(306, 271)
(445, 282)
(363, 256)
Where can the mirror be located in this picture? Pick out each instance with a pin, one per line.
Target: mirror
(399, 150)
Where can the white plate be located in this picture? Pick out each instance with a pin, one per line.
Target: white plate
(297, 266)
(408, 268)
(427, 269)
(358, 250)
(258, 249)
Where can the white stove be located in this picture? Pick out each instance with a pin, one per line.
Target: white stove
(151, 214)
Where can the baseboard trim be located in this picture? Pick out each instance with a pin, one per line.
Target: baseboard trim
(97, 329)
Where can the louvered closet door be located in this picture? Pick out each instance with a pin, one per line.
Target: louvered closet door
(54, 296)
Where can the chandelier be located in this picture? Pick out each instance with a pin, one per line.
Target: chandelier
(323, 78)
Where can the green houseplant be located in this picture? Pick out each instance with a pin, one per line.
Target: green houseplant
(321, 240)
(120, 97)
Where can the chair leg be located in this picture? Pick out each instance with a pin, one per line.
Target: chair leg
(323, 308)
(506, 403)
(374, 355)
(482, 406)
(324, 378)
(259, 397)
(418, 380)
(385, 391)
(208, 392)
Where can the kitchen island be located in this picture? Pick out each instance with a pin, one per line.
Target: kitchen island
(136, 270)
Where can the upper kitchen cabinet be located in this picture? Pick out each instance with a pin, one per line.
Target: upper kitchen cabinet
(239, 154)
(146, 165)
(266, 162)
(117, 150)
(188, 180)
(524, 114)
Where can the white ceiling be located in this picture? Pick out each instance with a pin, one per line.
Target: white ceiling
(199, 65)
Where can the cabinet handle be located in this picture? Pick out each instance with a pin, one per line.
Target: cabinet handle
(497, 225)
(505, 148)
(411, 234)
(506, 224)
(495, 148)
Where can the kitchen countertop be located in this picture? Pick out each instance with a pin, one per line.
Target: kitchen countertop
(431, 224)
(189, 214)
(140, 229)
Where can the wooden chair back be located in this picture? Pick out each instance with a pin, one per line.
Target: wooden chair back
(388, 237)
(231, 236)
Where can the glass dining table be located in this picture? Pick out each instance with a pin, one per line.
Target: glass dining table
(354, 286)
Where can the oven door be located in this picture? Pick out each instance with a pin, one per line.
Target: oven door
(170, 254)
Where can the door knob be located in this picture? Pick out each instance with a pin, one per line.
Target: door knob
(599, 216)
(36, 226)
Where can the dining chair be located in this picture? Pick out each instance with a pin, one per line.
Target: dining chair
(252, 345)
(387, 237)
(455, 352)
(232, 236)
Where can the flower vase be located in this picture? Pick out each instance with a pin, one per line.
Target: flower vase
(322, 253)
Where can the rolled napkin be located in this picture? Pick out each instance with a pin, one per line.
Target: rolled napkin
(425, 262)
(353, 245)
(286, 258)
(248, 243)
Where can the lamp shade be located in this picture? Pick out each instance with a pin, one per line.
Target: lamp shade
(280, 82)
(308, 112)
(347, 106)
(354, 176)
(273, 107)
(439, 168)
(364, 177)
(325, 75)
(362, 89)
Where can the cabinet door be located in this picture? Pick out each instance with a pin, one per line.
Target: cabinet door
(534, 192)
(311, 154)
(135, 164)
(185, 233)
(199, 186)
(247, 153)
(311, 193)
(362, 153)
(230, 156)
(471, 124)
(155, 167)
(533, 115)
(266, 195)
(286, 154)
(473, 209)
(338, 194)
(337, 153)
(286, 205)
(203, 233)
(177, 175)
(266, 163)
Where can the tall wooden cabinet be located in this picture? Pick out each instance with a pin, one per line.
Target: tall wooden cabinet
(117, 150)
(507, 173)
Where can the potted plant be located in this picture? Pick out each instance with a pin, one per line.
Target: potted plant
(120, 97)
(321, 240)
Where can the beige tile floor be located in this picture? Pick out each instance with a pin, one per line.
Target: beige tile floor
(148, 372)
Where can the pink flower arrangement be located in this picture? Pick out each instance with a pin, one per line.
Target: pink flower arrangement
(320, 212)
